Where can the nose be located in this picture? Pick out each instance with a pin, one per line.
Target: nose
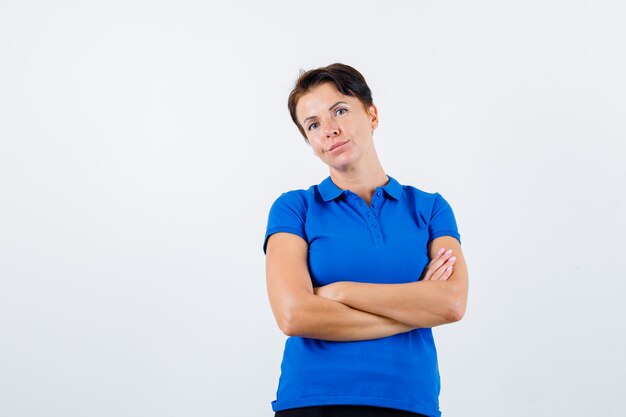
(331, 130)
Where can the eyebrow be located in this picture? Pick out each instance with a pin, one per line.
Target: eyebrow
(329, 109)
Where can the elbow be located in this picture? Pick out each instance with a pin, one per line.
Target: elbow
(287, 327)
(456, 305)
(456, 312)
(292, 315)
(288, 322)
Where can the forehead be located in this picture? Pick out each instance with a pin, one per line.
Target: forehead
(319, 99)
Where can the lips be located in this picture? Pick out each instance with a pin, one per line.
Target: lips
(336, 145)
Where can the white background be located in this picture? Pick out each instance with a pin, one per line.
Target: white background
(143, 142)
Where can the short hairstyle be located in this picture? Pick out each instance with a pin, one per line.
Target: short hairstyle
(346, 79)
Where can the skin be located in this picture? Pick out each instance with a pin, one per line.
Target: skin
(345, 311)
(355, 164)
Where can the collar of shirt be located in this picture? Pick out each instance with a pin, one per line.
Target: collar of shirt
(329, 191)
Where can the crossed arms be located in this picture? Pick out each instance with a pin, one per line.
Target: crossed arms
(347, 311)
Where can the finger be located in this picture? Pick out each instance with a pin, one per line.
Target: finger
(436, 263)
(444, 272)
(432, 265)
(438, 275)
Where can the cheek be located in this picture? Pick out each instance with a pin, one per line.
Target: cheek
(315, 147)
(352, 126)
(315, 142)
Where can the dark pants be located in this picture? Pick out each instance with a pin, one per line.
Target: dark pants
(345, 411)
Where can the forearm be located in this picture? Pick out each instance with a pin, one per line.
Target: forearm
(439, 297)
(301, 312)
(417, 304)
(320, 318)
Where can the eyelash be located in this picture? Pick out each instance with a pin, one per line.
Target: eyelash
(336, 113)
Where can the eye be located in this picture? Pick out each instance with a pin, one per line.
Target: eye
(340, 111)
(312, 126)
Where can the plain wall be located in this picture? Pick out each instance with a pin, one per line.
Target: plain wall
(143, 142)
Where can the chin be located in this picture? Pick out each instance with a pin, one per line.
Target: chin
(340, 162)
(343, 166)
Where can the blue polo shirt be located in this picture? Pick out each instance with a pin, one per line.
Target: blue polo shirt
(385, 242)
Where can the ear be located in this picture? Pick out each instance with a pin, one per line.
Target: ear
(373, 112)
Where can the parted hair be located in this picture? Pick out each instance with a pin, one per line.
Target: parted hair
(346, 79)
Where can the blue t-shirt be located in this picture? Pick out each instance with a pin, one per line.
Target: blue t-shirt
(384, 243)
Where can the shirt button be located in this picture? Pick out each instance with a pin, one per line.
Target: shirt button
(379, 193)
(373, 226)
(374, 205)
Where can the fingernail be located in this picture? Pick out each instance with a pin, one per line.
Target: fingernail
(440, 251)
(452, 259)
(449, 268)
(449, 252)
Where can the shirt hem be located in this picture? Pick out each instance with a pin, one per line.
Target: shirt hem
(445, 233)
(273, 230)
(368, 401)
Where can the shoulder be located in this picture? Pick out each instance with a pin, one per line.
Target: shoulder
(436, 212)
(294, 203)
(417, 192)
(424, 199)
(289, 213)
(298, 200)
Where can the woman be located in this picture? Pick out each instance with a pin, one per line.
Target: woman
(359, 268)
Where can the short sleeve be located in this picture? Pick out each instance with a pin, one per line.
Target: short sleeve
(442, 221)
(287, 214)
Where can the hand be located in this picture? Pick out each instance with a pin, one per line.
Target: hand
(330, 291)
(440, 268)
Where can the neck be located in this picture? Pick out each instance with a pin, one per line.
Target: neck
(361, 180)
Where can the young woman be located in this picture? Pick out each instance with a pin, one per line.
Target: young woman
(359, 268)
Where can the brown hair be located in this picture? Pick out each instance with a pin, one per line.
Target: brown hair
(346, 79)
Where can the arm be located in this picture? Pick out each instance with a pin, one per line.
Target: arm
(425, 303)
(299, 312)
